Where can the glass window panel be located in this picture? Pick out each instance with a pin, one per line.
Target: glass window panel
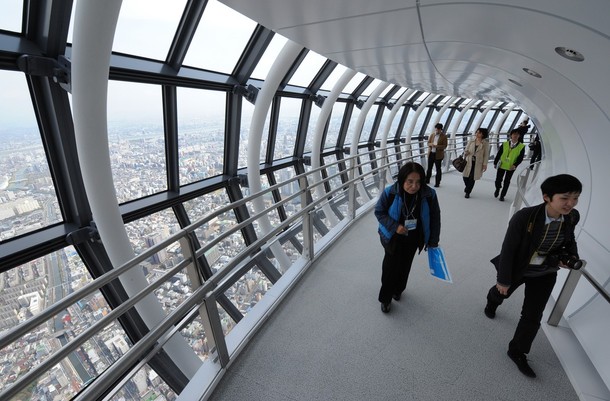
(221, 31)
(313, 124)
(145, 384)
(368, 124)
(351, 129)
(421, 97)
(287, 125)
(354, 82)
(149, 231)
(248, 290)
(462, 127)
(334, 126)
(284, 175)
(136, 140)
(333, 77)
(270, 55)
(372, 86)
(444, 117)
(264, 138)
(308, 69)
(430, 127)
(269, 211)
(247, 110)
(386, 90)
(419, 124)
(487, 119)
(34, 286)
(399, 93)
(146, 27)
(28, 200)
(509, 120)
(194, 333)
(226, 321)
(222, 251)
(10, 17)
(331, 171)
(393, 126)
(408, 122)
(201, 134)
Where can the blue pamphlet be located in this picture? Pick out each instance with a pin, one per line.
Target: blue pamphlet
(438, 265)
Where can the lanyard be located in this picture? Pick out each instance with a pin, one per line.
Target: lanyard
(414, 204)
(547, 231)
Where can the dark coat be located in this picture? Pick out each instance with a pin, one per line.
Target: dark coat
(524, 233)
(387, 212)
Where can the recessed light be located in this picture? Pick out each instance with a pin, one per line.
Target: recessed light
(515, 82)
(570, 54)
(532, 73)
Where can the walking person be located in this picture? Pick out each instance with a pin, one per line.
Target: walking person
(477, 156)
(436, 153)
(409, 219)
(536, 148)
(539, 240)
(509, 156)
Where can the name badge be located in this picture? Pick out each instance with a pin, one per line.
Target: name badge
(537, 259)
(411, 224)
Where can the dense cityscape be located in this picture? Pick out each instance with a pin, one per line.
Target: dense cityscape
(28, 202)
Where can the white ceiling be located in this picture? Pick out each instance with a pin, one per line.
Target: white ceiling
(469, 49)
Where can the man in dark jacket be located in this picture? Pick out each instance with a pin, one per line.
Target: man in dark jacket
(537, 242)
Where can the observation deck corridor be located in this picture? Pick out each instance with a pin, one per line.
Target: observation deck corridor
(329, 339)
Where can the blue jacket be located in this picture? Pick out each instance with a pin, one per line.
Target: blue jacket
(388, 211)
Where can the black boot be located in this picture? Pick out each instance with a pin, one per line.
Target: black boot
(490, 310)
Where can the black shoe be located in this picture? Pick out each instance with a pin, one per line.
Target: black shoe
(467, 195)
(501, 199)
(497, 192)
(396, 297)
(385, 308)
(437, 185)
(490, 311)
(521, 361)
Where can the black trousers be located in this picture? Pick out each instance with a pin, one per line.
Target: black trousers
(507, 175)
(396, 266)
(469, 181)
(537, 293)
(433, 162)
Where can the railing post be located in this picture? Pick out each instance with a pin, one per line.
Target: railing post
(213, 329)
(564, 297)
(307, 221)
(351, 201)
(208, 311)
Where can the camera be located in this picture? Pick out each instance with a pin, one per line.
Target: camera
(563, 256)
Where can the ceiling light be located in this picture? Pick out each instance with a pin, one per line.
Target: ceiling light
(532, 73)
(515, 82)
(569, 54)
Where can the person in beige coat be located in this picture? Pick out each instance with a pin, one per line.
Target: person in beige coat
(477, 156)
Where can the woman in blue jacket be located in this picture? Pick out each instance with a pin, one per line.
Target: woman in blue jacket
(409, 219)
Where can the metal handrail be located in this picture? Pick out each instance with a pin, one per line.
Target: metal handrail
(568, 290)
(199, 295)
